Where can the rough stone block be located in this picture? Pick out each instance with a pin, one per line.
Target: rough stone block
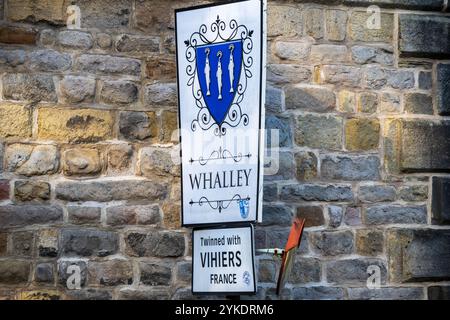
(102, 64)
(160, 94)
(111, 190)
(74, 125)
(88, 242)
(369, 242)
(282, 127)
(338, 74)
(15, 35)
(84, 215)
(305, 270)
(29, 160)
(362, 134)
(276, 214)
(157, 161)
(119, 92)
(155, 274)
(347, 101)
(439, 293)
(81, 162)
(306, 165)
(352, 216)
(332, 243)
(309, 98)
(128, 215)
(422, 35)
(360, 31)
(15, 121)
(284, 20)
(367, 102)
(352, 168)
(324, 132)
(335, 214)
(119, 157)
(27, 190)
(416, 255)
(310, 192)
(313, 215)
(288, 73)
(353, 271)
(14, 272)
(76, 89)
(376, 193)
(443, 88)
(399, 4)
(418, 103)
(293, 50)
(335, 24)
(414, 193)
(110, 273)
(395, 214)
(318, 293)
(48, 60)
(440, 201)
(29, 87)
(22, 243)
(51, 12)
(72, 39)
(161, 68)
(366, 54)
(47, 242)
(137, 125)
(386, 293)
(329, 53)
(134, 43)
(155, 244)
(44, 273)
(104, 14)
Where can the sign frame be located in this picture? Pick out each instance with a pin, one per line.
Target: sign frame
(233, 226)
(261, 124)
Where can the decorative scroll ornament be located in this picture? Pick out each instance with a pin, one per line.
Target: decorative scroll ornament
(220, 204)
(220, 154)
(219, 64)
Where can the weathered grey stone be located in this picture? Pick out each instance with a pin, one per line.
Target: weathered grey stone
(84, 215)
(284, 20)
(332, 243)
(286, 167)
(127, 215)
(335, 24)
(88, 242)
(360, 31)
(27, 190)
(48, 37)
(157, 161)
(353, 271)
(119, 92)
(362, 134)
(25, 215)
(416, 255)
(403, 4)
(375, 77)
(306, 162)
(274, 99)
(152, 17)
(310, 192)
(390, 103)
(47, 242)
(119, 157)
(137, 125)
(157, 293)
(160, 94)
(81, 161)
(339, 74)
(376, 193)
(184, 271)
(366, 54)
(155, 244)
(276, 214)
(270, 192)
(266, 271)
(318, 293)
(44, 273)
(134, 43)
(335, 214)
(418, 103)
(352, 216)
(313, 215)
(104, 40)
(75, 89)
(310, 98)
(443, 88)
(3, 243)
(12, 58)
(400, 79)
(324, 132)
(329, 53)
(369, 242)
(352, 168)
(64, 274)
(37, 11)
(293, 50)
(104, 14)
(425, 146)
(14, 271)
(110, 273)
(29, 87)
(397, 293)
(425, 80)
(288, 73)
(102, 64)
(314, 22)
(414, 193)
(48, 60)
(31, 159)
(282, 127)
(439, 293)
(422, 35)
(440, 201)
(111, 190)
(393, 214)
(305, 270)
(75, 39)
(155, 274)
(22, 243)
(89, 294)
(367, 102)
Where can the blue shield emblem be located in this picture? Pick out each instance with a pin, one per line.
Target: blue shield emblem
(219, 69)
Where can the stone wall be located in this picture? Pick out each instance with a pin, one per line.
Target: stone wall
(86, 118)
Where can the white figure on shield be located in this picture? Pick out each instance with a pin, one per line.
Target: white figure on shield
(207, 71)
(231, 67)
(219, 75)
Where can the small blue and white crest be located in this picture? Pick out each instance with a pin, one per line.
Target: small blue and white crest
(246, 278)
(219, 66)
(244, 208)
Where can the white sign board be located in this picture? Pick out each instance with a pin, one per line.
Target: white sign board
(223, 260)
(221, 80)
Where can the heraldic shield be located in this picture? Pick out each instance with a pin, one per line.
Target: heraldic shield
(219, 69)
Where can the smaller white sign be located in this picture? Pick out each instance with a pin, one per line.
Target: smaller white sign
(223, 260)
